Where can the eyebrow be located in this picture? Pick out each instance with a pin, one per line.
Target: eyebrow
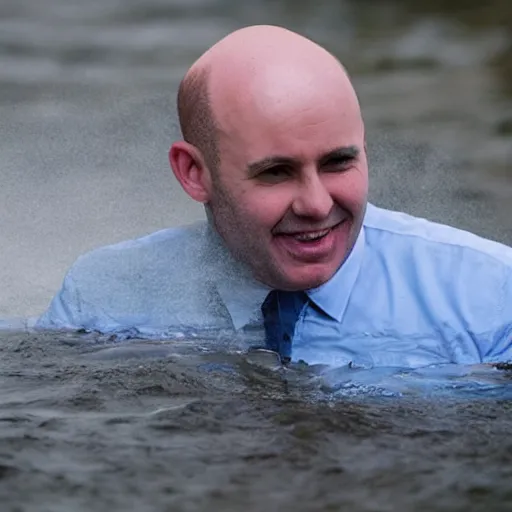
(341, 153)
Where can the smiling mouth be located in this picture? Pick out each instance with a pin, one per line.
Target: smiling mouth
(312, 236)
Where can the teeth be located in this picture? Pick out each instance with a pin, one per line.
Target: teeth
(307, 237)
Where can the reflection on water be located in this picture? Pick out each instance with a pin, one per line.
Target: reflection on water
(320, 382)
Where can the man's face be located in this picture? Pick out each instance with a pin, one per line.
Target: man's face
(290, 192)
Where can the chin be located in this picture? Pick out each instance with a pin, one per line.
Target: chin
(311, 279)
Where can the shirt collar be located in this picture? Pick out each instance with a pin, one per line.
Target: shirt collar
(332, 297)
(243, 295)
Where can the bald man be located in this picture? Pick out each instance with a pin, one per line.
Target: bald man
(274, 147)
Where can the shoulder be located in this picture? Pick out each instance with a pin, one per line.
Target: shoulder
(397, 232)
(449, 276)
(137, 282)
(165, 238)
(155, 248)
(149, 267)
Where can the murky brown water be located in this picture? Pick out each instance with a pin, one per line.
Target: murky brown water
(86, 117)
(176, 428)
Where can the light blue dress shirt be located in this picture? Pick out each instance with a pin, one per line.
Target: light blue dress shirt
(412, 293)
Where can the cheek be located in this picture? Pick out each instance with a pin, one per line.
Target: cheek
(349, 190)
(265, 206)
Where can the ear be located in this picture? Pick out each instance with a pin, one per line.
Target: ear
(190, 170)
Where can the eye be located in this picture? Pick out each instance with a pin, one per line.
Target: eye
(275, 174)
(336, 164)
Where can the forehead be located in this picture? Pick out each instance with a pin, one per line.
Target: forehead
(296, 116)
(304, 135)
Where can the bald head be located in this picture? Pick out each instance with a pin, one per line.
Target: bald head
(278, 125)
(256, 69)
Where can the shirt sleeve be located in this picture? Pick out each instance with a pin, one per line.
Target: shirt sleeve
(500, 348)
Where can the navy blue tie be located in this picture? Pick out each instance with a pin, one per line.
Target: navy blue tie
(280, 313)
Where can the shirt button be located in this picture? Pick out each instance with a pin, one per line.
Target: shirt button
(286, 337)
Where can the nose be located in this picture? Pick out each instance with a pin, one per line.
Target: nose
(313, 200)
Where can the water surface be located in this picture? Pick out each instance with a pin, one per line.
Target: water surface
(179, 426)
